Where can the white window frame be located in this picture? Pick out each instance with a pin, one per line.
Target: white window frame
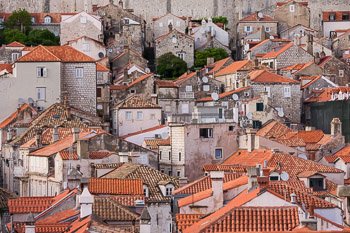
(139, 115)
(41, 72)
(341, 73)
(41, 93)
(128, 115)
(246, 28)
(189, 88)
(292, 8)
(15, 56)
(79, 72)
(83, 19)
(287, 92)
(47, 19)
(267, 29)
(206, 87)
(168, 191)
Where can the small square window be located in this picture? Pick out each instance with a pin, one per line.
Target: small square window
(267, 29)
(99, 92)
(178, 173)
(79, 72)
(206, 87)
(332, 17)
(345, 17)
(218, 153)
(41, 93)
(188, 88)
(206, 133)
(292, 8)
(169, 191)
(257, 124)
(248, 28)
(139, 115)
(286, 92)
(230, 128)
(41, 72)
(259, 107)
(128, 115)
(15, 56)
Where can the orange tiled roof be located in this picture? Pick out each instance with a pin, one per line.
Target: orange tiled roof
(185, 220)
(224, 95)
(276, 52)
(58, 217)
(338, 15)
(264, 76)
(286, 2)
(62, 53)
(13, 116)
(140, 79)
(343, 154)
(29, 204)
(115, 186)
(218, 65)
(166, 84)
(15, 44)
(273, 130)
(99, 154)
(144, 131)
(137, 102)
(153, 143)
(67, 155)
(185, 76)
(297, 67)
(80, 225)
(254, 18)
(7, 67)
(225, 168)
(194, 198)
(203, 184)
(128, 200)
(326, 94)
(101, 68)
(234, 67)
(312, 79)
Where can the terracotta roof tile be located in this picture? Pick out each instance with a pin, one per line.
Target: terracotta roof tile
(7, 67)
(128, 200)
(166, 84)
(14, 116)
(263, 76)
(343, 154)
(80, 225)
(225, 168)
(153, 143)
(108, 209)
(234, 67)
(15, 44)
(218, 65)
(67, 155)
(62, 53)
(194, 198)
(276, 52)
(144, 131)
(115, 186)
(99, 154)
(29, 204)
(326, 94)
(140, 79)
(101, 68)
(312, 79)
(58, 217)
(184, 77)
(255, 18)
(118, 87)
(136, 102)
(185, 220)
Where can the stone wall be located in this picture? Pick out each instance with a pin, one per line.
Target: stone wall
(293, 55)
(81, 92)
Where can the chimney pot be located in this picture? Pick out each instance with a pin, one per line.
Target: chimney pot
(217, 181)
(75, 132)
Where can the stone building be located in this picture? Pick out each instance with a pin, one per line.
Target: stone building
(264, 47)
(341, 43)
(11, 52)
(161, 24)
(121, 25)
(178, 43)
(285, 55)
(336, 70)
(292, 13)
(81, 24)
(89, 46)
(102, 92)
(284, 93)
(333, 21)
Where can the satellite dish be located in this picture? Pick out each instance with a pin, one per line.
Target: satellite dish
(205, 79)
(272, 37)
(235, 97)
(165, 135)
(280, 113)
(284, 176)
(260, 15)
(21, 101)
(30, 100)
(250, 115)
(214, 96)
(101, 55)
(147, 70)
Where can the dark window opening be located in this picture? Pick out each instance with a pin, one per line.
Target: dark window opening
(99, 92)
(218, 153)
(345, 16)
(316, 184)
(257, 124)
(206, 133)
(273, 177)
(259, 107)
(230, 128)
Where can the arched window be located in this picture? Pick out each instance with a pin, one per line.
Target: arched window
(47, 19)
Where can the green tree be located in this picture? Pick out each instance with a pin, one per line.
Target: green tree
(11, 35)
(216, 53)
(220, 19)
(43, 37)
(20, 20)
(170, 66)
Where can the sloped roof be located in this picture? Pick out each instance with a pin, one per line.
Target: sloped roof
(149, 177)
(264, 76)
(7, 67)
(255, 18)
(153, 143)
(184, 77)
(224, 95)
(136, 102)
(13, 117)
(29, 204)
(186, 220)
(115, 186)
(64, 53)
(108, 209)
(343, 154)
(278, 51)
(326, 94)
(234, 67)
(218, 65)
(15, 44)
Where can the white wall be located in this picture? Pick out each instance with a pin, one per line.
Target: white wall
(94, 47)
(139, 138)
(332, 26)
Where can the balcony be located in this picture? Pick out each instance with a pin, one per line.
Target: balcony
(186, 95)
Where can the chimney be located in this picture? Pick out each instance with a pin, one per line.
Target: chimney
(93, 170)
(55, 135)
(82, 149)
(145, 221)
(336, 127)
(154, 99)
(75, 132)
(30, 226)
(183, 181)
(217, 181)
(310, 222)
(310, 44)
(293, 198)
(86, 200)
(250, 139)
(252, 178)
(123, 157)
(210, 60)
(94, 7)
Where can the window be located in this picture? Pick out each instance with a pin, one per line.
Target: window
(218, 153)
(132, 91)
(259, 107)
(79, 72)
(341, 73)
(345, 16)
(41, 72)
(316, 184)
(14, 56)
(170, 21)
(174, 40)
(188, 88)
(128, 115)
(153, 116)
(86, 47)
(286, 92)
(292, 8)
(206, 87)
(267, 29)
(83, 19)
(248, 28)
(167, 108)
(168, 190)
(221, 113)
(169, 172)
(177, 23)
(181, 55)
(169, 155)
(33, 19)
(162, 170)
(41, 93)
(206, 133)
(332, 17)
(99, 92)
(257, 124)
(160, 155)
(185, 108)
(268, 91)
(179, 156)
(230, 128)
(145, 191)
(160, 24)
(274, 178)
(178, 173)
(139, 115)
(47, 19)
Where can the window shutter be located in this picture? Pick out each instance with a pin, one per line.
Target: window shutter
(45, 72)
